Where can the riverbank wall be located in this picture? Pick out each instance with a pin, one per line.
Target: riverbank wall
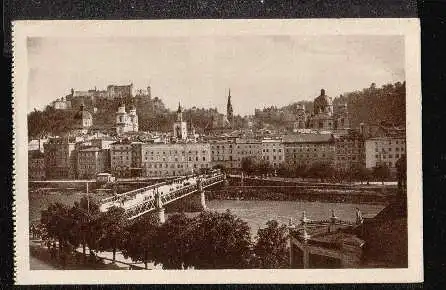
(256, 189)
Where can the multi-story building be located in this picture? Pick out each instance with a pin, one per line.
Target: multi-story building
(61, 104)
(91, 161)
(101, 143)
(273, 152)
(136, 168)
(309, 149)
(349, 151)
(223, 152)
(121, 158)
(174, 159)
(36, 165)
(60, 158)
(245, 148)
(384, 150)
(117, 92)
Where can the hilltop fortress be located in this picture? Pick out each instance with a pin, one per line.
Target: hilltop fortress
(89, 97)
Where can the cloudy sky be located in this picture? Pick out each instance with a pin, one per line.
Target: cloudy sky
(260, 70)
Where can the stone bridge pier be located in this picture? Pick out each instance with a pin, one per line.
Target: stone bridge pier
(195, 202)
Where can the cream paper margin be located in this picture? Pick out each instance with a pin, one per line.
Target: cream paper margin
(408, 27)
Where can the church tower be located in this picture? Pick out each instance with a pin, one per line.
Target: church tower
(229, 111)
(121, 119)
(133, 119)
(301, 117)
(342, 118)
(180, 127)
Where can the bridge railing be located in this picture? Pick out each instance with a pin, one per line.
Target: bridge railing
(150, 204)
(140, 208)
(131, 193)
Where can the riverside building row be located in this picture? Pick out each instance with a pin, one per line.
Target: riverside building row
(69, 158)
(334, 144)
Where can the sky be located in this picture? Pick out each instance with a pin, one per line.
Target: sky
(198, 71)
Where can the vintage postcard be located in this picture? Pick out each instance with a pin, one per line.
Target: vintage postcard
(217, 151)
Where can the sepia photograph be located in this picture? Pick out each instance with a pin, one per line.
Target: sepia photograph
(224, 145)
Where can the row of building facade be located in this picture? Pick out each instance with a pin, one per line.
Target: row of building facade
(331, 142)
(68, 158)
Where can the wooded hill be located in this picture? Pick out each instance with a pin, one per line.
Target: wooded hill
(370, 105)
(152, 116)
(376, 105)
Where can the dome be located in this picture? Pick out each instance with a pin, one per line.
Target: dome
(321, 102)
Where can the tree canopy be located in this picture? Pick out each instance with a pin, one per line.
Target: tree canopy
(138, 239)
(210, 240)
(271, 246)
(222, 241)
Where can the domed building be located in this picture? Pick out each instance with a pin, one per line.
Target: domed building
(322, 117)
(323, 104)
(83, 121)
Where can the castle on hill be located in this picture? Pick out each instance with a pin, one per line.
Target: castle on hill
(88, 98)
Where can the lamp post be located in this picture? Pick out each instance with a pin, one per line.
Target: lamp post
(305, 237)
(291, 227)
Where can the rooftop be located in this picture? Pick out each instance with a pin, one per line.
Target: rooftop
(90, 149)
(308, 138)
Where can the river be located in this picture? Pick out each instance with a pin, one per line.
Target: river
(257, 213)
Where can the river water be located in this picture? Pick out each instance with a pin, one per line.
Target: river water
(257, 213)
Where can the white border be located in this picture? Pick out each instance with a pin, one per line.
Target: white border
(408, 27)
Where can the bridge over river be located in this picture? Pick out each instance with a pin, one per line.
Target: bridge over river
(153, 198)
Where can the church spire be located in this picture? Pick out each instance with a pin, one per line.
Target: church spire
(179, 113)
(229, 110)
